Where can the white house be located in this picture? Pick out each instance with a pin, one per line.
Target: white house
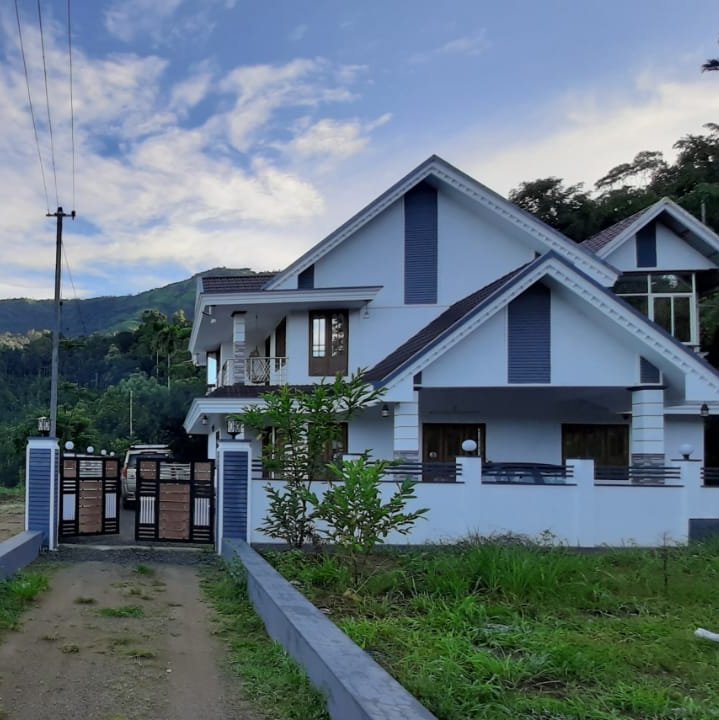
(483, 323)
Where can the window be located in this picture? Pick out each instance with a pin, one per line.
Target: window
(212, 358)
(328, 342)
(605, 444)
(667, 298)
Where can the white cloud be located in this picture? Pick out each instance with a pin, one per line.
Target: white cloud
(583, 135)
(331, 138)
(467, 45)
(126, 19)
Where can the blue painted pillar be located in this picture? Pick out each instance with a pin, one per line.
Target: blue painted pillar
(42, 484)
(234, 467)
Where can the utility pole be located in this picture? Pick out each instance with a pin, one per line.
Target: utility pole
(131, 413)
(56, 330)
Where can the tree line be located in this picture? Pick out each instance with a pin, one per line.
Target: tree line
(100, 376)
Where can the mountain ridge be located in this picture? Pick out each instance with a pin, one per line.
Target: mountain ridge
(104, 314)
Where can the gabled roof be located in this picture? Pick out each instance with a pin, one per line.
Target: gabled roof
(451, 326)
(440, 170)
(441, 324)
(668, 212)
(597, 242)
(220, 284)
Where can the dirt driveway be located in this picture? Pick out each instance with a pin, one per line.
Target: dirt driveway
(12, 519)
(118, 642)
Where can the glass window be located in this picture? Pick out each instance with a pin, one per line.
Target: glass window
(329, 331)
(667, 298)
(672, 283)
(682, 319)
(318, 337)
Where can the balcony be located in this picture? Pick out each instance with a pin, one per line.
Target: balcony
(258, 371)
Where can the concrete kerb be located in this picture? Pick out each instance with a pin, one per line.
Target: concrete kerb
(356, 687)
(19, 551)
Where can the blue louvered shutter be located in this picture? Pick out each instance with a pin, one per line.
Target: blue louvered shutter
(529, 336)
(306, 279)
(648, 373)
(234, 500)
(40, 462)
(647, 246)
(420, 245)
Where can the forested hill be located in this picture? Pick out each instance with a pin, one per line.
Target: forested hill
(102, 314)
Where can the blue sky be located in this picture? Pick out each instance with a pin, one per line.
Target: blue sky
(222, 132)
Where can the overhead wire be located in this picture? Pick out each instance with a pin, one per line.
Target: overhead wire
(32, 111)
(74, 292)
(72, 106)
(47, 100)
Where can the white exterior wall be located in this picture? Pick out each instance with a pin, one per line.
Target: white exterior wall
(474, 249)
(578, 513)
(585, 352)
(578, 342)
(673, 254)
(479, 360)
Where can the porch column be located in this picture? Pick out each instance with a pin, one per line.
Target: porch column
(647, 440)
(238, 348)
(406, 430)
(41, 488)
(234, 464)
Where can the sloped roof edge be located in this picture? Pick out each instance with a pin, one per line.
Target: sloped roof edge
(443, 171)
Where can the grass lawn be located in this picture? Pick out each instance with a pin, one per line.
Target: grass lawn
(16, 593)
(488, 630)
(270, 678)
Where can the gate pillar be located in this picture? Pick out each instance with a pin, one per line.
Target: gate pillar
(42, 459)
(234, 463)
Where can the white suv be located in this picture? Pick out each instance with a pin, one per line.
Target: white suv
(129, 469)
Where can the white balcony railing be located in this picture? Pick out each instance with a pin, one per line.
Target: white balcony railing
(265, 370)
(258, 371)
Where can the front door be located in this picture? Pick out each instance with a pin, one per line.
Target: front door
(442, 443)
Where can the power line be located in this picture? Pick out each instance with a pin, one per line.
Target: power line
(72, 107)
(32, 112)
(47, 100)
(74, 291)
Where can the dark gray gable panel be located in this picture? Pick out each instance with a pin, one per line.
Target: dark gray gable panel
(647, 246)
(529, 336)
(306, 279)
(420, 245)
(234, 500)
(648, 373)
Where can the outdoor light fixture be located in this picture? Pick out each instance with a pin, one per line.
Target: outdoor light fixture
(385, 410)
(469, 445)
(686, 450)
(43, 425)
(69, 446)
(234, 427)
(90, 450)
(704, 410)
(204, 420)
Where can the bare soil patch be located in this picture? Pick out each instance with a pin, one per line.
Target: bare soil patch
(12, 519)
(110, 643)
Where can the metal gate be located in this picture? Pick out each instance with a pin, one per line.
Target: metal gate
(175, 501)
(89, 495)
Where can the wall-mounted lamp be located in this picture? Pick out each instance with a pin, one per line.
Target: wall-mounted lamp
(385, 410)
(204, 420)
(208, 313)
(43, 425)
(234, 427)
(704, 410)
(469, 446)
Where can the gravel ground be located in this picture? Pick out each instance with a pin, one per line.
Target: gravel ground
(161, 661)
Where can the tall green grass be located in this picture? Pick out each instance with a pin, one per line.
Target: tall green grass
(16, 593)
(515, 630)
